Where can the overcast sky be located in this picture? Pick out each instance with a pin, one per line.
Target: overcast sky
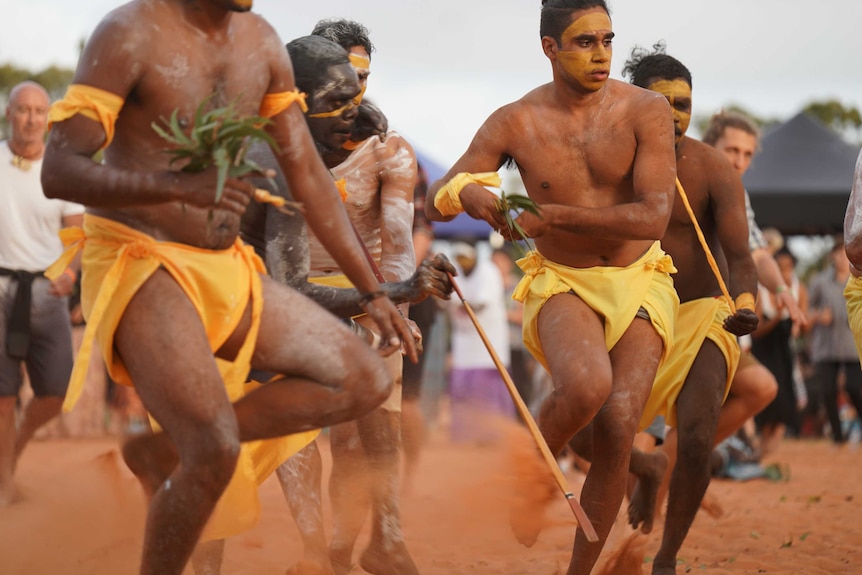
(442, 66)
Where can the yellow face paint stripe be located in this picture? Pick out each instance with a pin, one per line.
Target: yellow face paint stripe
(593, 22)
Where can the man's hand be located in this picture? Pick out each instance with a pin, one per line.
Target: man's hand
(417, 335)
(63, 285)
(394, 330)
(431, 278)
(533, 226)
(743, 322)
(797, 316)
(200, 190)
(370, 121)
(481, 204)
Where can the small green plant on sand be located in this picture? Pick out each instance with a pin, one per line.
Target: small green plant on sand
(512, 206)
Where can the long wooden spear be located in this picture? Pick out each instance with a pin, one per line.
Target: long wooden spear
(579, 512)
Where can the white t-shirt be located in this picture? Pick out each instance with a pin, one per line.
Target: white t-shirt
(483, 290)
(29, 222)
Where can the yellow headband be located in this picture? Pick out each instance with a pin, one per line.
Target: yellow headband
(336, 112)
(361, 62)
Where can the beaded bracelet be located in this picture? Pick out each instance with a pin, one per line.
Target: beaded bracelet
(370, 296)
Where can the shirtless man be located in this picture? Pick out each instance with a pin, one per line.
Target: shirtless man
(853, 248)
(691, 386)
(379, 179)
(599, 160)
(167, 283)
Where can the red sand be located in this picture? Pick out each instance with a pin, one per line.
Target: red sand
(83, 514)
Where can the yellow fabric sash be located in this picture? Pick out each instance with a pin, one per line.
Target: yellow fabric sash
(698, 320)
(709, 257)
(448, 198)
(614, 293)
(853, 295)
(94, 103)
(116, 260)
(274, 104)
(133, 257)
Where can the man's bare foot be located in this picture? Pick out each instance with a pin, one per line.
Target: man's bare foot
(8, 494)
(152, 458)
(341, 560)
(534, 490)
(642, 506)
(712, 505)
(394, 560)
(306, 567)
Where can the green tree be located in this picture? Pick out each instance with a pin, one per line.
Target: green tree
(846, 120)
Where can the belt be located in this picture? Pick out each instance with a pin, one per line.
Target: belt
(18, 329)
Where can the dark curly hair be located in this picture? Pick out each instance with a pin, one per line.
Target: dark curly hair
(644, 65)
(345, 33)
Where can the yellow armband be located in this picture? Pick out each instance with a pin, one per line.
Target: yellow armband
(273, 104)
(94, 103)
(448, 198)
(744, 300)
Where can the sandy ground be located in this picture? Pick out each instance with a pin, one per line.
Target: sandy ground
(81, 513)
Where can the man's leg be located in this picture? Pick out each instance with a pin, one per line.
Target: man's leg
(580, 371)
(300, 478)
(7, 449)
(39, 411)
(164, 347)
(366, 474)
(697, 410)
(753, 388)
(334, 376)
(634, 361)
(827, 372)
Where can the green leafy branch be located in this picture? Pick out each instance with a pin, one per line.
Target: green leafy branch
(513, 205)
(219, 137)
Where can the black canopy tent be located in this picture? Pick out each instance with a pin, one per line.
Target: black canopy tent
(799, 181)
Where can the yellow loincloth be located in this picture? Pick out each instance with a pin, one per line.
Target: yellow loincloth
(614, 293)
(394, 362)
(853, 295)
(116, 261)
(698, 320)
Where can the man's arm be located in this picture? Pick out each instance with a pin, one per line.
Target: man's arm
(728, 205)
(853, 222)
(486, 153)
(397, 176)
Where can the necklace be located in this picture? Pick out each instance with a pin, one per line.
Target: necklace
(21, 163)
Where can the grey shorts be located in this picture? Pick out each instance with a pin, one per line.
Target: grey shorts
(49, 358)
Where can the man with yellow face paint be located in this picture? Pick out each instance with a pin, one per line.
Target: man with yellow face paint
(597, 155)
(690, 388)
(353, 37)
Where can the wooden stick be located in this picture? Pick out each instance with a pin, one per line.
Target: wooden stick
(579, 512)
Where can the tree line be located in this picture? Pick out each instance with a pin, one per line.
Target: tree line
(846, 120)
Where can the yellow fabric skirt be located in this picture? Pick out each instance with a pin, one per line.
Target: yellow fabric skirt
(699, 320)
(614, 293)
(116, 260)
